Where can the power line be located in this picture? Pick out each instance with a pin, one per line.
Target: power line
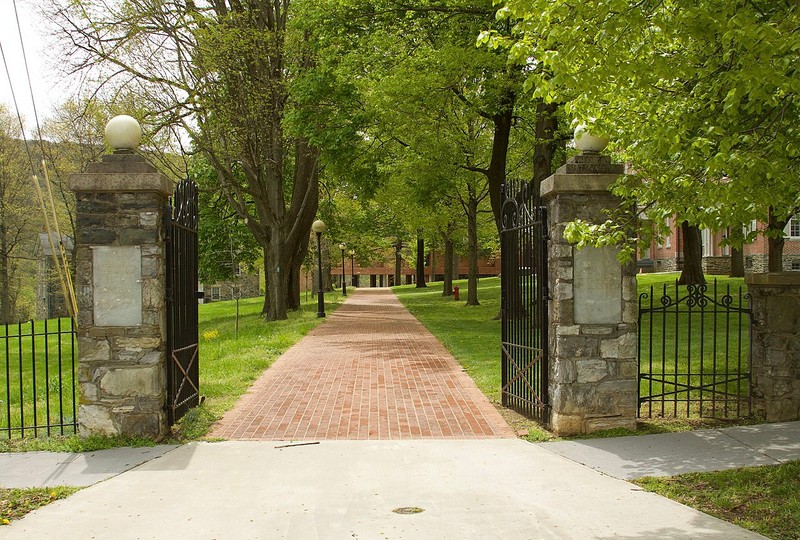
(28, 76)
(16, 107)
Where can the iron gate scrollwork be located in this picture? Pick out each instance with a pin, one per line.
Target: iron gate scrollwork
(694, 352)
(183, 374)
(523, 242)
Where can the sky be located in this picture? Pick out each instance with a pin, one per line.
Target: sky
(43, 75)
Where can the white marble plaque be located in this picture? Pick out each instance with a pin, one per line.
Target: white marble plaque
(117, 273)
(597, 286)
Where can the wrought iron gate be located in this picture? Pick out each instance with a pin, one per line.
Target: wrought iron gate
(523, 242)
(182, 344)
(694, 352)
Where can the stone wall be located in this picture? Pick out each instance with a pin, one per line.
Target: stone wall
(775, 301)
(717, 265)
(120, 205)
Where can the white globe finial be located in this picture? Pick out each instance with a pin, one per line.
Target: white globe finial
(123, 132)
(587, 142)
(319, 226)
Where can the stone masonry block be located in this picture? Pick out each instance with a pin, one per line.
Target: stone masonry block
(621, 347)
(783, 316)
(140, 381)
(149, 219)
(151, 267)
(596, 330)
(94, 350)
(563, 272)
(562, 372)
(560, 251)
(576, 347)
(573, 330)
(591, 370)
(565, 424)
(96, 420)
(563, 290)
(138, 343)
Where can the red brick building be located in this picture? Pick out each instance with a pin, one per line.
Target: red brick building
(667, 254)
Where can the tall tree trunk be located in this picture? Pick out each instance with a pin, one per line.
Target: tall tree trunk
(496, 172)
(775, 241)
(737, 253)
(398, 262)
(447, 288)
(327, 280)
(472, 248)
(420, 261)
(267, 285)
(433, 260)
(692, 272)
(545, 149)
(276, 262)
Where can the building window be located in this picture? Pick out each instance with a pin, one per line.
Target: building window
(796, 266)
(668, 239)
(708, 247)
(792, 229)
(215, 293)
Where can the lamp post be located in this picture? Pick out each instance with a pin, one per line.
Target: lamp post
(343, 246)
(319, 227)
(352, 254)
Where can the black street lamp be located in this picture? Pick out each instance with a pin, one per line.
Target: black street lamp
(319, 227)
(353, 282)
(343, 246)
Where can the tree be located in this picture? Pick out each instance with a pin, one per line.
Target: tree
(224, 243)
(240, 78)
(700, 97)
(16, 217)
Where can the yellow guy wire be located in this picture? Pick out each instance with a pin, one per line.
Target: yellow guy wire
(62, 252)
(60, 265)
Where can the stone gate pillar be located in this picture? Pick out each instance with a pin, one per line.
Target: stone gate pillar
(593, 306)
(775, 344)
(120, 287)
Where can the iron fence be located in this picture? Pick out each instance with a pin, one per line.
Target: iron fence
(37, 381)
(694, 352)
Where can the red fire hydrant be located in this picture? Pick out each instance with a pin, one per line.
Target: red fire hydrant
(455, 293)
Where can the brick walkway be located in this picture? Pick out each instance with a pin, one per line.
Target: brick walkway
(371, 371)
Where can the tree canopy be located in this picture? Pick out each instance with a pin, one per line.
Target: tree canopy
(700, 97)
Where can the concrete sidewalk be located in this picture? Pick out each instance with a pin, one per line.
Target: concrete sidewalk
(465, 489)
(670, 454)
(49, 469)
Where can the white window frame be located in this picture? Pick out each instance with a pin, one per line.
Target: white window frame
(792, 229)
(708, 242)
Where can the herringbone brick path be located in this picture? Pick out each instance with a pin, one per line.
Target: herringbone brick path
(371, 371)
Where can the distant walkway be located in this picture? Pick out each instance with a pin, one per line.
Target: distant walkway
(371, 371)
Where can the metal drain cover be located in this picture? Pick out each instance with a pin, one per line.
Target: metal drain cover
(408, 510)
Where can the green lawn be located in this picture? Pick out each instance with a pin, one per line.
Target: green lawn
(15, 503)
(763, 499)
(36, 370)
